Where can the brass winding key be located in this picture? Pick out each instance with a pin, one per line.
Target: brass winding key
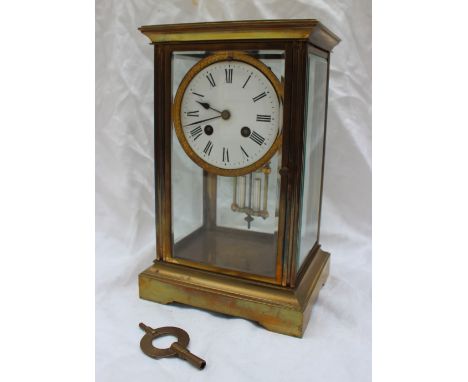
(178, 348)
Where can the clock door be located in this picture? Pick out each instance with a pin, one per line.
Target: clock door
(228, 224)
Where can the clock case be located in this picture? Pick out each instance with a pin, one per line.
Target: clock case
(282, 304)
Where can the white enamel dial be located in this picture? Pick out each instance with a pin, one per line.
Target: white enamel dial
(230, 114)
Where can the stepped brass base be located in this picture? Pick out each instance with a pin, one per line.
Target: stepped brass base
(280, 309)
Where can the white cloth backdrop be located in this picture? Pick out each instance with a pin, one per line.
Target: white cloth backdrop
(337, 343)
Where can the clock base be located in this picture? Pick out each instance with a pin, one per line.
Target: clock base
(279, 309)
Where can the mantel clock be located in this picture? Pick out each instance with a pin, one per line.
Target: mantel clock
(240, 122)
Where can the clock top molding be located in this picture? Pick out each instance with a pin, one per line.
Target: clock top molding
(310, 30)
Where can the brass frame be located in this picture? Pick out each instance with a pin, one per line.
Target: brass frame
(283, 303)
(309, 30)
(176, 111)
(282, 310)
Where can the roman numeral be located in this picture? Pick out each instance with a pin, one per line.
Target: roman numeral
(211, 80)
(245, 153)
(228, 73)
(263, 118)
(225, 154)
(200, 95)
(208, 148)
(192, 113)
(247, 80)
(195, 133)
(257, 138)
(260, 96)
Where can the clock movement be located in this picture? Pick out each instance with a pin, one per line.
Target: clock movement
(240, 125)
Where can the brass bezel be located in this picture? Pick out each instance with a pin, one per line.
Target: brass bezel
(176, 109)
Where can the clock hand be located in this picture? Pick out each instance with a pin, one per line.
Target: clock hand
(207, 106)
(203, 120)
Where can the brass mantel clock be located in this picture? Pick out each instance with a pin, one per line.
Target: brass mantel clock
(240, 125)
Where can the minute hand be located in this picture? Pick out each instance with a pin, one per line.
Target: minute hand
(203, 120)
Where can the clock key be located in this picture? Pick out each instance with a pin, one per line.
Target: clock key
(184, 353)
(178, 348)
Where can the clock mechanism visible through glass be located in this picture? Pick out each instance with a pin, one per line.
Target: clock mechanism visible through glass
(250, 194)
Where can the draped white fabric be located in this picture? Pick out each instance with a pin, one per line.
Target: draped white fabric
(337, 343)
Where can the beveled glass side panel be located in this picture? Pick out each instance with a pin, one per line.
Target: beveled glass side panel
(187, 207)
(313, 154)
(228, 223)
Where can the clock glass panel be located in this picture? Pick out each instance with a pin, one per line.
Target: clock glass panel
(313, 154)
(230, 118)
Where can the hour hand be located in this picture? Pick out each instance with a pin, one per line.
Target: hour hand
(204, 104)
(207, 106)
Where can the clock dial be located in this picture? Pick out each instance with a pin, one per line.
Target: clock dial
(229, 114)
